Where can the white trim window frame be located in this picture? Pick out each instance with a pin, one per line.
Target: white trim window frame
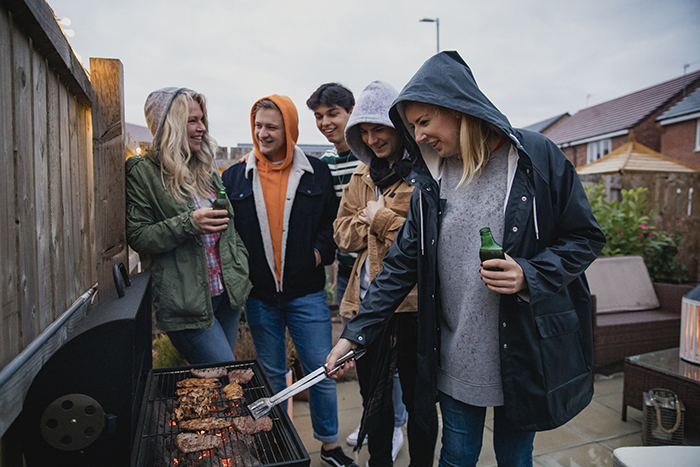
(697, 135)
(597, 149)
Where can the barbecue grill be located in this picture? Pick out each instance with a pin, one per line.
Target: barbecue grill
(155, 442)
(97, 402)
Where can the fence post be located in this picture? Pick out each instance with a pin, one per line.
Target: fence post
(109, 149)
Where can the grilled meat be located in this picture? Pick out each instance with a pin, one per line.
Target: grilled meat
(186, 394)
(204, 424)
(249, 426)
(186, 411)
(216, 372)
(199, 383)
(233, 391)
(240, 376)
(193, 442)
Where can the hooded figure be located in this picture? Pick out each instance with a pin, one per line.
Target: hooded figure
(285, 206)
(542, 333)
(197, 261)
(374, 206)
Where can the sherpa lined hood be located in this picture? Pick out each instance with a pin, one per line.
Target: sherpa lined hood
(372, 106)
(445, 80)
(157, 106)
(291, 124)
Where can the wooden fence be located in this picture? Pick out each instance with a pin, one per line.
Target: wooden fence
(62, 151)
(675, 197)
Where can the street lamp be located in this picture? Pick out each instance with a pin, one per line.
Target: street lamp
(437, 24)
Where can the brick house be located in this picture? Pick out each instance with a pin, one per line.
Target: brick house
(593, 132)
(680, 130)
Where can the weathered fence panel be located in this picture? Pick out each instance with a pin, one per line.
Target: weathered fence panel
(676, 198)
(109, 142)
(48, 228)
(9, 316)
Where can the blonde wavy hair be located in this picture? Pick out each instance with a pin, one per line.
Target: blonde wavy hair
(186, 172)
(476, 136)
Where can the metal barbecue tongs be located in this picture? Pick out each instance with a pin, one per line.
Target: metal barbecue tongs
(263, 405)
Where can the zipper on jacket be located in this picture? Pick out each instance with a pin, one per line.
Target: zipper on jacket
(422, 238)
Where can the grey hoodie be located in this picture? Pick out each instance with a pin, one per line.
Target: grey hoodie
(372, 106)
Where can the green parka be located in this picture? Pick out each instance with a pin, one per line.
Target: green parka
(162, 230)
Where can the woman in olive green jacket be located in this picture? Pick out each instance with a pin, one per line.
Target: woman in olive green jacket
(198, 263)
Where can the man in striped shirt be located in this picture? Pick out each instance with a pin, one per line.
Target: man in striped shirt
(332, 105)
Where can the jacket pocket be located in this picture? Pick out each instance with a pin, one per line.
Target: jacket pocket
(560, 348)
(309, 198)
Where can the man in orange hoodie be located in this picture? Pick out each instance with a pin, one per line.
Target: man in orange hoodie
(284, 206)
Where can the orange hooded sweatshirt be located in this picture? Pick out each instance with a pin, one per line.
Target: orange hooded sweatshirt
(273, 179)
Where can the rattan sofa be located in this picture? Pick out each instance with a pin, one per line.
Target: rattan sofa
(625, 333)
(631, 315)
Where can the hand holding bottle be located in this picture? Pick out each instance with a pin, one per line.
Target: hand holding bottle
(211, 220)
(508, 279)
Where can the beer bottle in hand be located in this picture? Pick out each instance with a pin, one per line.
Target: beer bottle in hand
(489, 248)
(221, 202)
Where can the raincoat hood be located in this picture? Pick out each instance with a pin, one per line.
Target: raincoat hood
(291, 124)
(445, 80)
(372, 106)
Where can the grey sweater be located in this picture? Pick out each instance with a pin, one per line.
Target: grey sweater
(470, 368)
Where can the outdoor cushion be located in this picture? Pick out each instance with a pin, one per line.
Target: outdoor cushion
(621, 283)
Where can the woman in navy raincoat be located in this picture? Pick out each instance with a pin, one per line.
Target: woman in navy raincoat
(518, 340)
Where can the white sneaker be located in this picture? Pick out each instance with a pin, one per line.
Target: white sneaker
(396, 442)
(352, 437)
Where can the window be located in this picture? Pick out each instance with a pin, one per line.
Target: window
(697, 135)
(598, 149)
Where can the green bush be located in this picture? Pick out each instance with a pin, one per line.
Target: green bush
(629, 230)
(165, 355)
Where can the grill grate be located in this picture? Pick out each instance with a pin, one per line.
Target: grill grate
(155, 441)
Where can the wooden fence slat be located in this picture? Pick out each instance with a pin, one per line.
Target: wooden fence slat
(57, 275)
(109, 142)
(9, 302)
(66, 192)
(41, 182)
(75, 174)
(24, 174)
(87, 196)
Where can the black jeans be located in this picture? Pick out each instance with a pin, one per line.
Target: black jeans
(421, 444)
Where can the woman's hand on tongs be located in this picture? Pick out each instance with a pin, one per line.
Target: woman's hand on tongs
(341, 348)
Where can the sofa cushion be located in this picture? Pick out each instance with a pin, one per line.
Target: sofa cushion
(621, 283)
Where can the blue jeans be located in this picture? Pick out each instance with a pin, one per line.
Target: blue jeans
(462, 434)
(308, 319)
(213, 344)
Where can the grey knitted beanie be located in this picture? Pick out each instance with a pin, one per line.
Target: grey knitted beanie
(156, 109)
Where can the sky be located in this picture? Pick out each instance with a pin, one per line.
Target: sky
(533, 58)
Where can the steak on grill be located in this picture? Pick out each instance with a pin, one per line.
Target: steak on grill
(193, 442)
(240, 376)
(216, 372)
(199, 383)
(204, 424)
(248, 426)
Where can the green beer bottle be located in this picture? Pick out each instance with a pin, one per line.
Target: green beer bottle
(489, 248)
(221, 202)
